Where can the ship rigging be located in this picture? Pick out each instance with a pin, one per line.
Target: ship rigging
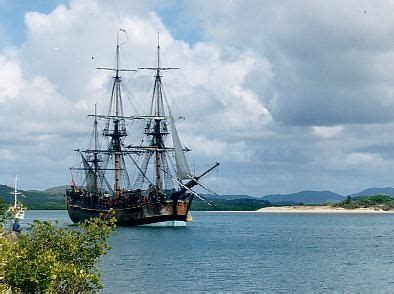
(146, 182)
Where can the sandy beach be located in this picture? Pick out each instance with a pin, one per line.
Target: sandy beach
(319, 209)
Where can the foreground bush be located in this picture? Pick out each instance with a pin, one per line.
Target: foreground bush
(53, 258)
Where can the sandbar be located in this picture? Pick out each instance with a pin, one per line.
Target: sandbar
(320, 209)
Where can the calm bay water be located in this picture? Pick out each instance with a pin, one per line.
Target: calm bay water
(251, 252)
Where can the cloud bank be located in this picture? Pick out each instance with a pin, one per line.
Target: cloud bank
(287, 96)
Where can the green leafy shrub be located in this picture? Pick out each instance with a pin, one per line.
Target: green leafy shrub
(52, 258)
(381, 201)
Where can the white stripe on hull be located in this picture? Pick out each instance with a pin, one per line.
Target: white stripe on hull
(173, 223)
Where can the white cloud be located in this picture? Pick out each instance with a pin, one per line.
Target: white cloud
(364, 159)
(213, 148)
(327, 132)
(7, 155)
(52, 83)
(11, 79)
(287, 95)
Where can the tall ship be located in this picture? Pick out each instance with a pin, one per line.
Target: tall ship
(144, 178)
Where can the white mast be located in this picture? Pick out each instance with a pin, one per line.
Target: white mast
(17, 210)
(16, 193)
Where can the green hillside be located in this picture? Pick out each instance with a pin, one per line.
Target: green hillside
(60, 190)
(35, 199)
(230, 205)
(53, 198)
(377, 201)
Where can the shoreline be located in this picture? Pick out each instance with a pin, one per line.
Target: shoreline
(288, 209)
(322, 209)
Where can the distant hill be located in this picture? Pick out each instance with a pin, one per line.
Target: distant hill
(388, 191)
(306, 197)
(35, 199)
(231, 205)
(227, 197)
(60, 190)
(53, 198)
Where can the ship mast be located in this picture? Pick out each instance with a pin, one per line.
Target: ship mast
(119, 129)
(157, 132)
(116, 135)
(16, 193)
(95, 153)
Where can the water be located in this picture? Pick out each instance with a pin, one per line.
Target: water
(252, 252)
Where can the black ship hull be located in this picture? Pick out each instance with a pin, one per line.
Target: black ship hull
(147, 213)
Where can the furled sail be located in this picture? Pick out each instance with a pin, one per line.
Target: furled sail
(183, 170)
(90, 176)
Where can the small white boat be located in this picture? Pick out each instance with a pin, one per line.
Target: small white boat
(17, 210)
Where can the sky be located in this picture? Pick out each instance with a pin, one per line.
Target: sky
(286, 95)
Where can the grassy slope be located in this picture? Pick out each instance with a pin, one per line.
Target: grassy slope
(35, 199)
